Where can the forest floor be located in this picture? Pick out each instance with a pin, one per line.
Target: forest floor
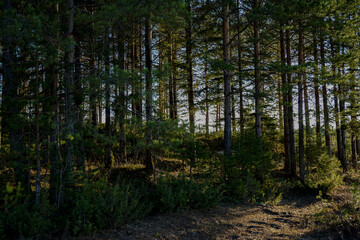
(292, 218)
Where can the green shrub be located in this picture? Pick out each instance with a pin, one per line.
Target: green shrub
(344, 215)
(244, 186)
(101, 205)
(20, 218)
(248, 172)
(312, 150)
(325, 175)
(179, 193)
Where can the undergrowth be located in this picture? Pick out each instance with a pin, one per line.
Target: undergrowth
(99, 205)
(342, 215)
(125, 194)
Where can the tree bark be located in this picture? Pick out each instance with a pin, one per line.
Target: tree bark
(108, 158)
(353, 113)
(148, 99)
(161, 111)
(207, 107)
(343, 123)
(53, 119)
(93, 85)
(37, 140)
(300, 105)
(11, 119)
(290, 105)
(69, 94)
(233, 115)
(227, 80)
(324, 93)
(258, 101)
(172, 80)
(317, 98)
(136, 81)
(190, 81)
(241, 91)
(337, 125)
(79, 99)
(307, 113)
(120, 106)
(218, 110)
(285, 101)
(336, 109)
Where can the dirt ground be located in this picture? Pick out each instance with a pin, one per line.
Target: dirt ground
(292, 218)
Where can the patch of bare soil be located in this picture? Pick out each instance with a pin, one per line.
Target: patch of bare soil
(290, 219)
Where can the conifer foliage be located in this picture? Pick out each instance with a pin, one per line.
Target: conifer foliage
(119, 91)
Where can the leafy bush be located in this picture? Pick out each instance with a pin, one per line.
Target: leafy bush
(325, 175)
(177, 193)
(98, 205)
(342, 215)
(248, 172)
(312, 150)
(101, 205)
(20, 218)
(244, 186)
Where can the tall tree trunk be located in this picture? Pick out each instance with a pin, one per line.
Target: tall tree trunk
(337, 124)
(285, 102)
(336, 108)
(134, 73)
(93, 85)
(343, 128)
(161, 112)
(307, 113)
(120, 106)
(206, 99)
(324, 93)
(343, 123)
(353, 113)
(108, 159)
(189, 69)
(300, 105)
(280, 110)
(218, 110)
(317, 98)
(241, 91)
(172, 80)
(290, 105)
(227, 81)
(233, 115)
(136, 82)
(258, 101)
(37, 140)
(141, 70)
(353, 150)
(51, 76)
(135, 90)
(148, 99)
(232, 91)
(11, 105)
(135, 118)
(69, 93)
(79, 99)
(100, 103)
